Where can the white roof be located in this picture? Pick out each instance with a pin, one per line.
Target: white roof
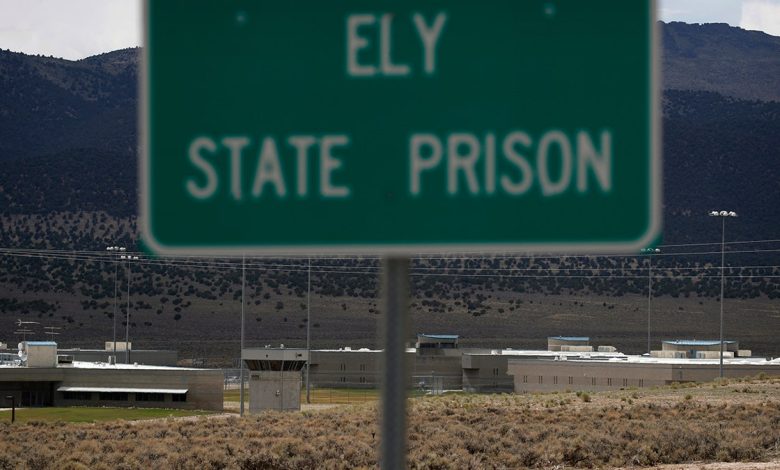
(745, 361)
(348, 349)
(544, 353)
(105, 365)
(177, 391)
(625, 359)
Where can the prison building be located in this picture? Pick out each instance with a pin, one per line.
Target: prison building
(346, 367)
(437, 363)
(41, 377)
(488, 371)
(699, 349)
(151, 357)
(485, 372)
(569, 343)
(588, 373)
(429, 342)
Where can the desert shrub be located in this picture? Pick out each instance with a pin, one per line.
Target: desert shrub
(450, 431)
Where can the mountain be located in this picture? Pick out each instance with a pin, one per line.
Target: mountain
(720, 153)
(68, 181)
(68, 130)
(720, 58)
(48, 105)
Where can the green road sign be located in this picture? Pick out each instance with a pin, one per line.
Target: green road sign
(399, 126)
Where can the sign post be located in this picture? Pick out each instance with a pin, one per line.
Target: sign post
(399, 127)
(13, 407)
(395, 370)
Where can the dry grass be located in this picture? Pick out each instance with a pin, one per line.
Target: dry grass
(85, 414)
(660, 426)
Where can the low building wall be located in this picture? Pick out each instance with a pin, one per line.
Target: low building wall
(143, 356)
(486, 373)
(440, 371)
(362, 369)
(139, 386)
(345, 368)
(535, 375)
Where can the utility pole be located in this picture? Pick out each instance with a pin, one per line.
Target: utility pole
(127, 322)
(722, 215)
(722, 269)
(116, 282)
(649, 252)
(308, 334)
(241, 353)
(116, 286)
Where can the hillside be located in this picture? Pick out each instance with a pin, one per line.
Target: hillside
(723, 59)
(706, 165)
(50, 105)
(69, 182)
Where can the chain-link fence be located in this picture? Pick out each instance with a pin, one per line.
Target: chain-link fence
(340, 389)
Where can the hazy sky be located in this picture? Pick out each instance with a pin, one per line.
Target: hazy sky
(75, 29)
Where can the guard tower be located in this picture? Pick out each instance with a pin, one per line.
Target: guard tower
(274, 377)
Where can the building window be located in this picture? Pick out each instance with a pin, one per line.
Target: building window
(362, 380)
(113, 396)
(149, 397)
(77, 395)
(555, 380)
(609, 382)
(362, 367)
(342, 366)
(541, 379)
(571, 380)
(625, 382)
(593, 381)
(525, 379)
(641, 382)
(343, 379)
(179, 397)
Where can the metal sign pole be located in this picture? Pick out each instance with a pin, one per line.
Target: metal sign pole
(395, 289)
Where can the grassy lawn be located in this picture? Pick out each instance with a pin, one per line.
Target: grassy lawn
(89, 415)
(322, 395)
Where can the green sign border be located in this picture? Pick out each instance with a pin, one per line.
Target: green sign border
(628, 246)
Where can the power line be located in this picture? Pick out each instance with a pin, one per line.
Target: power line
(469, 255)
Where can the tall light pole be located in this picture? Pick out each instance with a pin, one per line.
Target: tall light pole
(127, 323)
(23, 330)
(722, 215)
(49, 330)
(116, 282)
(649, 252)
(308, 334)
(241, 353)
